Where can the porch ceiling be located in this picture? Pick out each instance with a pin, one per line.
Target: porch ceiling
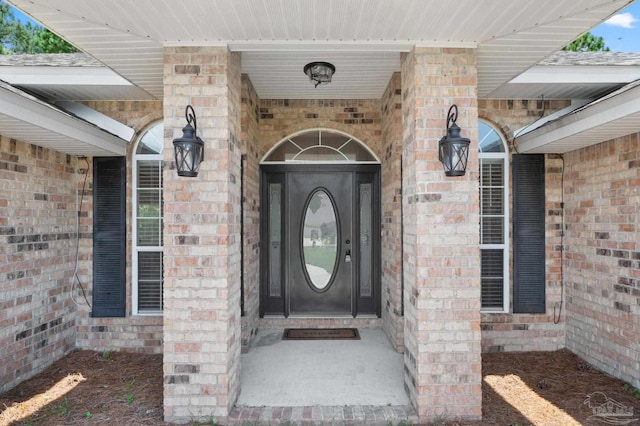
(363, 38)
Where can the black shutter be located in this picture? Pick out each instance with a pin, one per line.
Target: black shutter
(528, 234)
(109, 232)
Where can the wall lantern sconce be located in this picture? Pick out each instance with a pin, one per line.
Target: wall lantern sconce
(189, 149)
(453, 150)
(319, 72)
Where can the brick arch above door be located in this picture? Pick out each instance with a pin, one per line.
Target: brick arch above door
(360, 118)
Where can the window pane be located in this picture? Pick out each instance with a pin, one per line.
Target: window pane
(489, 139)
(152, 141)
(492, 277)
(321, 146)
(319, 242)
(320, 153)
(149, 232)
(492, 230)
(149, 203)
(275, 235)
(149, 281)
(492, 201)
(492, 172)
(365, 240)
(149, 174)
(356, 152)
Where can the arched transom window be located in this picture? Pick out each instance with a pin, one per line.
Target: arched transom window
(320, 146)
(494, 219)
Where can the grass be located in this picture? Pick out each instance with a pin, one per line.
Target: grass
(322, 257)
(632, 390)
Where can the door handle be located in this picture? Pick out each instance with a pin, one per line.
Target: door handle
(347, 256)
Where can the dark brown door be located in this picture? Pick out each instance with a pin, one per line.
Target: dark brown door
(319, 243)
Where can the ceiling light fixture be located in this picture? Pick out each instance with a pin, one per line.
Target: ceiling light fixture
(319, 72)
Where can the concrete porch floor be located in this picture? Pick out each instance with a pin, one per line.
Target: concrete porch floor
(322, 381)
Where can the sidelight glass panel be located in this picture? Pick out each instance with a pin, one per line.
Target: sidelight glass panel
(275, 237)
(365, 240)
(320, 239)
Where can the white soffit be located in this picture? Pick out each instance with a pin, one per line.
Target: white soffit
(613, 116)
(67, 77)
(567, 82)
(26, 118)
(128, 36)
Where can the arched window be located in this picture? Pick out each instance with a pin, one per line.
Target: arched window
(147, 222)
(320, 146)
(494, 219)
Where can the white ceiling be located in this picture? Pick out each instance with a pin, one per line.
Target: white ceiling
(363, 38)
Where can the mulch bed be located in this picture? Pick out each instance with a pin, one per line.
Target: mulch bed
(117, 388)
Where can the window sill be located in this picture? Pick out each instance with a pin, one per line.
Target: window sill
(493, 311)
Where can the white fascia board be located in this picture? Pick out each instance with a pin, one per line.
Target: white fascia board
(558, 74)
(590, 117)
(40, 75)
(103, 121)
(49, 118)
(575, 104)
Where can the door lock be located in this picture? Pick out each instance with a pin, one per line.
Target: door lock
(347, 256)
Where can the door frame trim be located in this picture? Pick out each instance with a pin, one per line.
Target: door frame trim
(266, 303)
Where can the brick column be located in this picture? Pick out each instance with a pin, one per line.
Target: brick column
(202, 237)
(441, 238)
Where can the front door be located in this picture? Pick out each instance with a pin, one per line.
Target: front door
(319, 243)
(319, 233)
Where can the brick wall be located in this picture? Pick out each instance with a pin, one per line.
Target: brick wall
(357, 117)
(530, 332)
(202, 325)
(132, 333)
(441, 236)
(391, 115)
(602, 258)
(251, 200)
(38, 232)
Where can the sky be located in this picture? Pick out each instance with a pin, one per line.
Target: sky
(621, 32)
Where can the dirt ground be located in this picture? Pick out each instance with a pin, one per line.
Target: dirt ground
(116, 388)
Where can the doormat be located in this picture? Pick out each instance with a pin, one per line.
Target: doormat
(320, 334)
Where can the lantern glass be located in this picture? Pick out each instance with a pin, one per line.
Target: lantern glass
(188, 155)
(454, 155)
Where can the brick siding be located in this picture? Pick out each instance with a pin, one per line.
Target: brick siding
(441, 236)
(38, 234)
(602, 256)
(251, 200)
(202, 324)
(391, 280)
(282, 117)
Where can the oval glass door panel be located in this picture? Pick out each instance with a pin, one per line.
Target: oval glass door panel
(320, 239)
